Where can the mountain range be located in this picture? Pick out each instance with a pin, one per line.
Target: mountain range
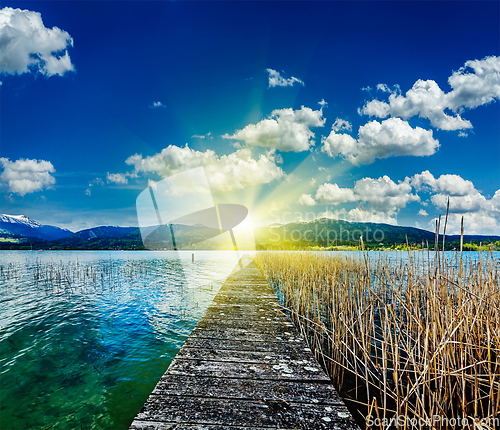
(24, 226)
(21, 232)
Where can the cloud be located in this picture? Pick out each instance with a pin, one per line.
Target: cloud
(460, 204)
(96, 181)
(391, 137)
(26, 176)
(386, 89)
(26, 45)
(480, 214)
(474, 223)
(481, 87)
(203, 136)
(285, 130)
(276, 80)
(475, 84)
(224, 173)
(424, 99)
(333, 194)
(306, 200)
(117, 178)
(341, 124)
(157, 105)
(360, 215)
(423, 212)
(375, 108)
(452, 185)
(381, 199)
(382, 194)
(322, 103)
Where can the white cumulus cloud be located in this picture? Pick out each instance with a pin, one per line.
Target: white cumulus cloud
(224, 173)
(117, 178)
(423, 212)
(276, 80)
(452, 185)
(474, 223)
(26, 176)
(386, 89)
(306, 200)
(333, 194)
(341, 124)
(382, 194)
(478, 88)
(474, 202)
(381, 199)
(285, 130)
(26, 45)
(481, 215)
(475, 84)
(389, 138)
(360, 215)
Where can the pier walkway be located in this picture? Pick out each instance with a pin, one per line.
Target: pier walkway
(244, 366)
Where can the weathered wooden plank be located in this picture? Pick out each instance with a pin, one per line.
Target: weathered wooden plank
(257, 325)
(268, 333)
(248, 389)
(279, 371)
(244, 366)
(237, 313)
(295, 357)
(277, 346)
(233, 412)
(158, 425)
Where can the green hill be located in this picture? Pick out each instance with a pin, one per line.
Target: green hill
(327, 233)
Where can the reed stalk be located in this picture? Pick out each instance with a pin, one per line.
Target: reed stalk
(399, 338)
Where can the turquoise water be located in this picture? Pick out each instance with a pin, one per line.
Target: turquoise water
(85, 336)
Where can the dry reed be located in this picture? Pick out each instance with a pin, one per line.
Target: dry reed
(409, 338)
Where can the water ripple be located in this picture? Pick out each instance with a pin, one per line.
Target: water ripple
(85, 336)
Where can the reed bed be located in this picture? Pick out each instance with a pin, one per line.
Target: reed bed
(69, 275)
(416, 340)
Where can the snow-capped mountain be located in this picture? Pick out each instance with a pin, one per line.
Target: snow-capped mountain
(19, 219)
(21, 224)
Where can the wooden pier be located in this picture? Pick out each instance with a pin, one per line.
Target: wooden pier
(244, 366)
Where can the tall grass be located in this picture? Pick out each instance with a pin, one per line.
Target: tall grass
(73, 274)
(418, 338)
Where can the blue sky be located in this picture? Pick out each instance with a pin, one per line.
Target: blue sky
(97, 98)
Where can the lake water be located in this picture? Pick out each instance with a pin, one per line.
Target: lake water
(85, 336)
(423, 258)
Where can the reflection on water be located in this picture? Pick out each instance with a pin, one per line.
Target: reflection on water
(85, 336)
